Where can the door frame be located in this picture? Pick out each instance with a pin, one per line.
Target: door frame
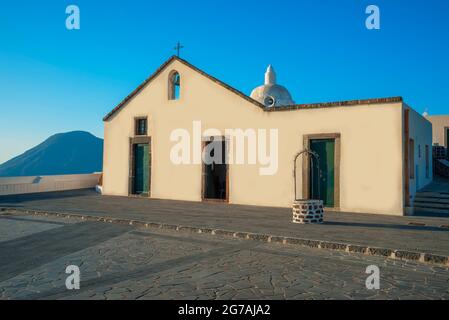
(446, 141)
(337, 160)
(132, 142)
(203, 169)
(406, 172)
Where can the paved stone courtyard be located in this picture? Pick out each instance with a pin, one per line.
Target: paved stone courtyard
(123, 262)
(420, 234)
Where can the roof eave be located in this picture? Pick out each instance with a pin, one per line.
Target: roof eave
(337, 104)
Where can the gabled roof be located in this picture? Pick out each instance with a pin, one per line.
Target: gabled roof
(244, 96)
(161, 68)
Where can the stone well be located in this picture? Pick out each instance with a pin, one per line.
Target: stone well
(308, 211)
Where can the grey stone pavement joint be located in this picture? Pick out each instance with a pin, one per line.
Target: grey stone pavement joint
(405, 255)
(111, 279)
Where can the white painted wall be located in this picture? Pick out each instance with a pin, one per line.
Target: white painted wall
(36, 184)
(420, 131)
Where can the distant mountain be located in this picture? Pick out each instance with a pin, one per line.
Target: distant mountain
(63, 153)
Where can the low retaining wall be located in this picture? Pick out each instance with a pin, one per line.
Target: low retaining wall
(37, 184)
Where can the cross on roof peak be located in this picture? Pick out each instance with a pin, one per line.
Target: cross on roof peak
(178, 48)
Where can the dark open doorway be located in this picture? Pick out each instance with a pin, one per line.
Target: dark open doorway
(215, 170)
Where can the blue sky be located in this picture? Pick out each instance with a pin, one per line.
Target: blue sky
(55, 80)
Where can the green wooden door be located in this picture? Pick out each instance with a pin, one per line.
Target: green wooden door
(141, 168)
(324, 190)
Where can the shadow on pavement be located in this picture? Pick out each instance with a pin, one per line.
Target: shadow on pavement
(29, 252)
(8, 200)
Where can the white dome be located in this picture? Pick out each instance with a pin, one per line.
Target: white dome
(271, 94)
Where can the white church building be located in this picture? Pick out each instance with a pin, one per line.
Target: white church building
(373, 154)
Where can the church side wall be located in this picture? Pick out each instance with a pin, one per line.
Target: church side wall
(421, 133)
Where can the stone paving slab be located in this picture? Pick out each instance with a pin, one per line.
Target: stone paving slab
(17, 227)
(422, 238)
(164, 264)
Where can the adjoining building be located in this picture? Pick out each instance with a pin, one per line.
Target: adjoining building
(440, 132)
(373, 154)
(440, 127)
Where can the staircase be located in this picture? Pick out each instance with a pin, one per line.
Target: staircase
(434, 198)
(441, 168)
(431, 202)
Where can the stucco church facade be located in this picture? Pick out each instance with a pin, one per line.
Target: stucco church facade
(373, 154)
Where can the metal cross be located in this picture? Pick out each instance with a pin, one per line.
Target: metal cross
(178, 48)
